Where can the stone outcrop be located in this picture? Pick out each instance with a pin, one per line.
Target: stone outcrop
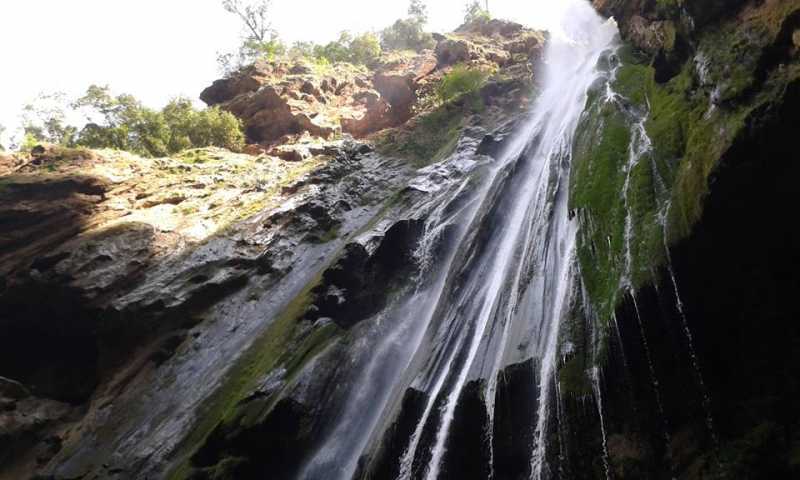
(206, 316)
(109, 261)
(714, 85)
(294, 97)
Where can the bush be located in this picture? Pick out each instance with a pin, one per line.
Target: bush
(128, 125)
(476, 13)
(190, 128)
(407, 34)
(302, 50)
(460, 81)
(363, 49)
(335, 51)
(248, 53)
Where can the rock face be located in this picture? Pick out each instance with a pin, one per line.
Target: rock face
(280, 98)
(143, 302)
(714, 87)
(208, 316)
(110, 261)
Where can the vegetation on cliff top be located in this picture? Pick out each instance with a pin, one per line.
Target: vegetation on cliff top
(121, 122)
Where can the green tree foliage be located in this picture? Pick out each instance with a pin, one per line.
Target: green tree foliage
(259, 39)
(190, 128)
(302, 49)
(364, 49)
(460, 81)
(45, 120)
(121, 122)
(418, 10)
(2, 131)
(125, 124)
(409, 33)
(361, 49)
(475, 12)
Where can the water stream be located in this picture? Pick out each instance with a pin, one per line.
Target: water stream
(493, 290)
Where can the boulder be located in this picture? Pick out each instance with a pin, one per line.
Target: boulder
(12, 389)
(452, 51)
(398, 82)
(247, 80)
(291, 153)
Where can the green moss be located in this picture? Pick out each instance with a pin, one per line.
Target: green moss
(269, 351)
(435, 135)
(197, 156)
(692, 121)
(329, 236)
(573, 379)
(601, 153)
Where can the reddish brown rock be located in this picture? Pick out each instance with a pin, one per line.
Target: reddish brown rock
(290, 97)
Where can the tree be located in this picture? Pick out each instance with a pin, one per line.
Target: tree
(418, 11)
(409, 33)
(361, 49)
(259, 38)
(255, 16)
(302, 49)
(475, 12)
(2, 131)
(44, 119)
(190, 128)
(364, 49)
(123, 123)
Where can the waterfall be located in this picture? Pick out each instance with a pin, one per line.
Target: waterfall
(492, 291)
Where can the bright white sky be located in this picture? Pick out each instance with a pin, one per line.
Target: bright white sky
(158, 49)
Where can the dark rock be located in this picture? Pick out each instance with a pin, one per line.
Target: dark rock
(356, 286)
(469, 450)
(12, 389)
(515, 420)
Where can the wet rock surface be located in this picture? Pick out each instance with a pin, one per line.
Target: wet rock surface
(106, 306)
(217, 315)
(691, 384)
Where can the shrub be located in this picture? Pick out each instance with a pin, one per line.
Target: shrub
(476, 13)
(128, 125)
(302, 50)
(335, 51)
(407, 34)
(190, 128)
(460, 81)
(362, 49)
(248, 53)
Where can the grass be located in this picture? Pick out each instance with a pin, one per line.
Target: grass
(461, 80)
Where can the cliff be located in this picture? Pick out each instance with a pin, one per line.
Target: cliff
(144, 299)
(220, 315)
(682, 189)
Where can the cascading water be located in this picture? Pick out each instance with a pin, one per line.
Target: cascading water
(497, 279)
